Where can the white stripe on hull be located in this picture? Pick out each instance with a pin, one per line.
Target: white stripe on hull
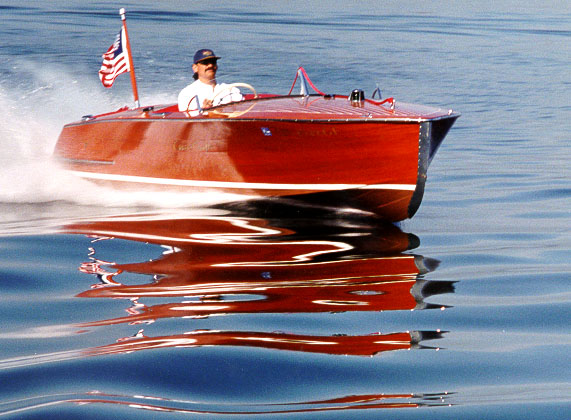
(240, 185)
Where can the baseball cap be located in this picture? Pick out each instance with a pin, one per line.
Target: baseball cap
(204, 54)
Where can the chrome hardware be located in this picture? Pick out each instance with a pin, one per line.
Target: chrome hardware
(357, 96)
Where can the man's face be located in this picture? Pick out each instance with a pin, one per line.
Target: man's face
(206, 70)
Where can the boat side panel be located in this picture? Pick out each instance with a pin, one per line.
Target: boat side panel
(326, 152)
(244, 151)
(262, 158)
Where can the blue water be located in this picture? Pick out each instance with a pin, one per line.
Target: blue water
(137, 306)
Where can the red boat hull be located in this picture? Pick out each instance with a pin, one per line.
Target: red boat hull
(377, 164)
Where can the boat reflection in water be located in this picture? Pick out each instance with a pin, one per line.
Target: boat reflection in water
(353, 402)
(234, 265)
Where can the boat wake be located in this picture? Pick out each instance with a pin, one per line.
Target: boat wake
(35, 103)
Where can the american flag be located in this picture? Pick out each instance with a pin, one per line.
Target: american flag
(115, 61)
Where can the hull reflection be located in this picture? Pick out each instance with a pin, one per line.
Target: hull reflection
(160, 404)
(351, 402)
(237, 265)
(365, 345)
(223, 298)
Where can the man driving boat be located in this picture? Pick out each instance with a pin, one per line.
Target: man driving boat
(205, 91)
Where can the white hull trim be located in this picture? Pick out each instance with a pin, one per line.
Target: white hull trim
(239, 185)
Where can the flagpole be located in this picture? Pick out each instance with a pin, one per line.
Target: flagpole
(131, 65)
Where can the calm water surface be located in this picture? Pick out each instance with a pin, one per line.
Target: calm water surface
(138, 306)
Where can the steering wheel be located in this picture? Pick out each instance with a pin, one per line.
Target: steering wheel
(227, 91)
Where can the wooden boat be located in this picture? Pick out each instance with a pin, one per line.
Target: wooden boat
(346, 152)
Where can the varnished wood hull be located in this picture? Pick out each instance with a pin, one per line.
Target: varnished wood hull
(373, 164)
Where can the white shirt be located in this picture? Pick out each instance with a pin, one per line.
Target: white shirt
(197, 92)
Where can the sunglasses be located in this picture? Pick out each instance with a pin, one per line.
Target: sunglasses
(207, 62)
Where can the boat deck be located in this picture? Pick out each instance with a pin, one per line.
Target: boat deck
(328, 108)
